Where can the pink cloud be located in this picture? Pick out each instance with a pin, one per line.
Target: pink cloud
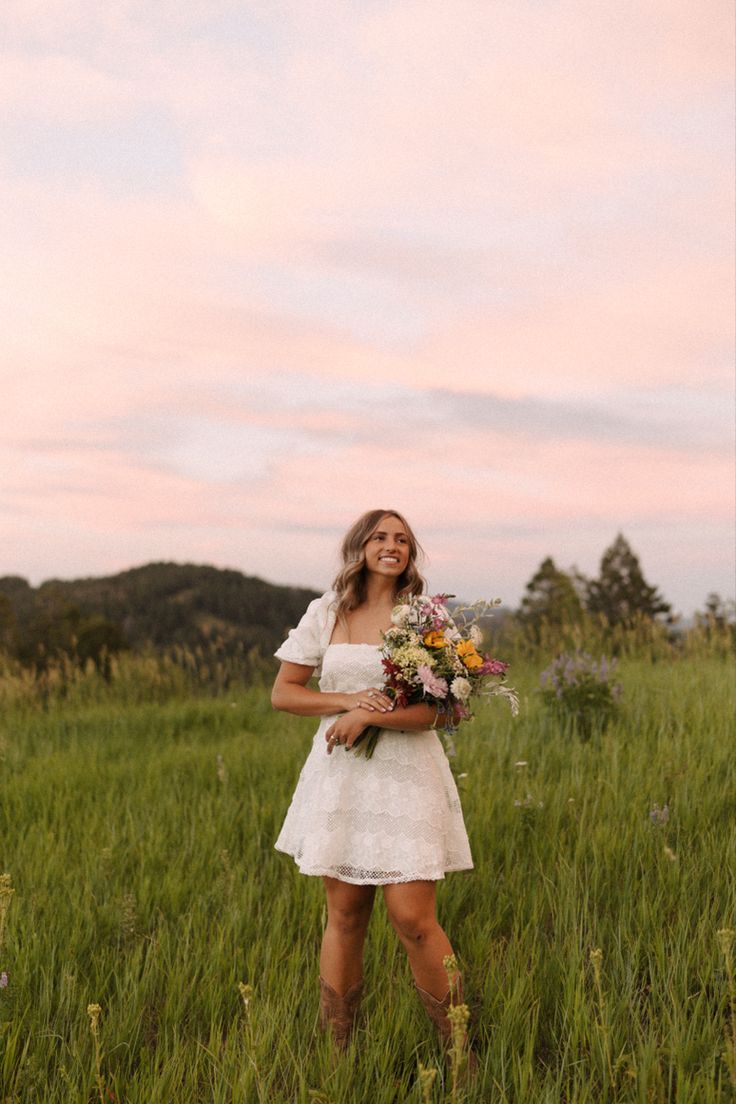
(540, 189)
(58, 88)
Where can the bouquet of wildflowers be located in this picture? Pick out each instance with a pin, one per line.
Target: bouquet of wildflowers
(431, 655)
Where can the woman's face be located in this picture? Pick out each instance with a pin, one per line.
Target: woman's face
(387, 549)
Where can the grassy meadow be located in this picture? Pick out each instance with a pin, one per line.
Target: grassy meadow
(137, 824)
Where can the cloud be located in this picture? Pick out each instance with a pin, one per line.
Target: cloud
(265, 263)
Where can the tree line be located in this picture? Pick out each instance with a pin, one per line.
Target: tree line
(163, 605)
(619, 597)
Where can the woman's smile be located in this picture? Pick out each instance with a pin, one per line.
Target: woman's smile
(387, 547)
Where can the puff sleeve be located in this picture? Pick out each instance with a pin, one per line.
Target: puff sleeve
(307, 643)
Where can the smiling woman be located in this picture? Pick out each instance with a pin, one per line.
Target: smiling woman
(393, 820)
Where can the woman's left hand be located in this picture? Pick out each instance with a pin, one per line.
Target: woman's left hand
(347, 728)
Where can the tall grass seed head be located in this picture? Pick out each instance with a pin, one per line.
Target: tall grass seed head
(451, 969)
(726, 939)
(427, 1076)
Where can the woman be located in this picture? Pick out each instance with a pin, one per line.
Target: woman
(393, 820)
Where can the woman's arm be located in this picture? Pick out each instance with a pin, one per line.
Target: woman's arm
(410, 718)
(292, 695)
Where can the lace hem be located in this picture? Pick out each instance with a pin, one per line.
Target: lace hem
(359, 876)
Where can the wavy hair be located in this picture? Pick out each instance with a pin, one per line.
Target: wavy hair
(350, 581)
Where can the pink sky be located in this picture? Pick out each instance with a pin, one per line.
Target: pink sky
(267, 265)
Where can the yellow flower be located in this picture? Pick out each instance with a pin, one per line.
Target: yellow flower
(468, 654)
(435, 639)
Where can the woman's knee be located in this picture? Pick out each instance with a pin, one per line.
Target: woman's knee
(349, 913)
(412, 925)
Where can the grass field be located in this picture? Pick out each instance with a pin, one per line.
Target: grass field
(139, 840)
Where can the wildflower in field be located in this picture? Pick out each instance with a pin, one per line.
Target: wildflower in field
(726, 938)
(528, 803)
(6, 895)
(670, 854)
(579, 689)
(221, 770)
(658, 816)
(426, 1081)
(521, 763)
(3, 980)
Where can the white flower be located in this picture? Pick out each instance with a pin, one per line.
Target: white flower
(401, 614)
(476, 635)
(460, 688)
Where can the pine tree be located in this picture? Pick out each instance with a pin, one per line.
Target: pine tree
(621, 593)
(550, 597)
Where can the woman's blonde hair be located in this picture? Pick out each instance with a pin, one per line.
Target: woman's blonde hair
(350, 582)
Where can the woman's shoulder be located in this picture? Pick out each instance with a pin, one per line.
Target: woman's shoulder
(307, 642)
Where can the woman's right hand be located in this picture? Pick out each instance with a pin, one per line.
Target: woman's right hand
(373, 699)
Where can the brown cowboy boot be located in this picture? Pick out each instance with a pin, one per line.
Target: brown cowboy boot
(339, 1013)
(438, 1010)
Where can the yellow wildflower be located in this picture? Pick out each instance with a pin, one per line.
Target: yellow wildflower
(468, 654)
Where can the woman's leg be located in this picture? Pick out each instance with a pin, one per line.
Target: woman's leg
(348, 913)
(411, 909)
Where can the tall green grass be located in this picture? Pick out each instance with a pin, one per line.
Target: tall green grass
(139, 838)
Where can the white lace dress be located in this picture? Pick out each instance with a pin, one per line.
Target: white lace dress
(393, 818)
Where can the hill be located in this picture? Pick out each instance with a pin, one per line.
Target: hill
(158, 604)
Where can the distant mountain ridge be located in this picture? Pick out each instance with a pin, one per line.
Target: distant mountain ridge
(158, 604)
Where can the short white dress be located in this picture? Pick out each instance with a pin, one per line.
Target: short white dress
(395, 817)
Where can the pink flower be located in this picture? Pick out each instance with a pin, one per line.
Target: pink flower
(493, 667)
(432, 684)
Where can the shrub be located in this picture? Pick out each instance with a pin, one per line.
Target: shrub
(580, 690)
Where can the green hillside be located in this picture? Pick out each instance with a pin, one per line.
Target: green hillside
(158, 604)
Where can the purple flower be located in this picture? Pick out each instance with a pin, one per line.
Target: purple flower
(3, 980)
(659, 816)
